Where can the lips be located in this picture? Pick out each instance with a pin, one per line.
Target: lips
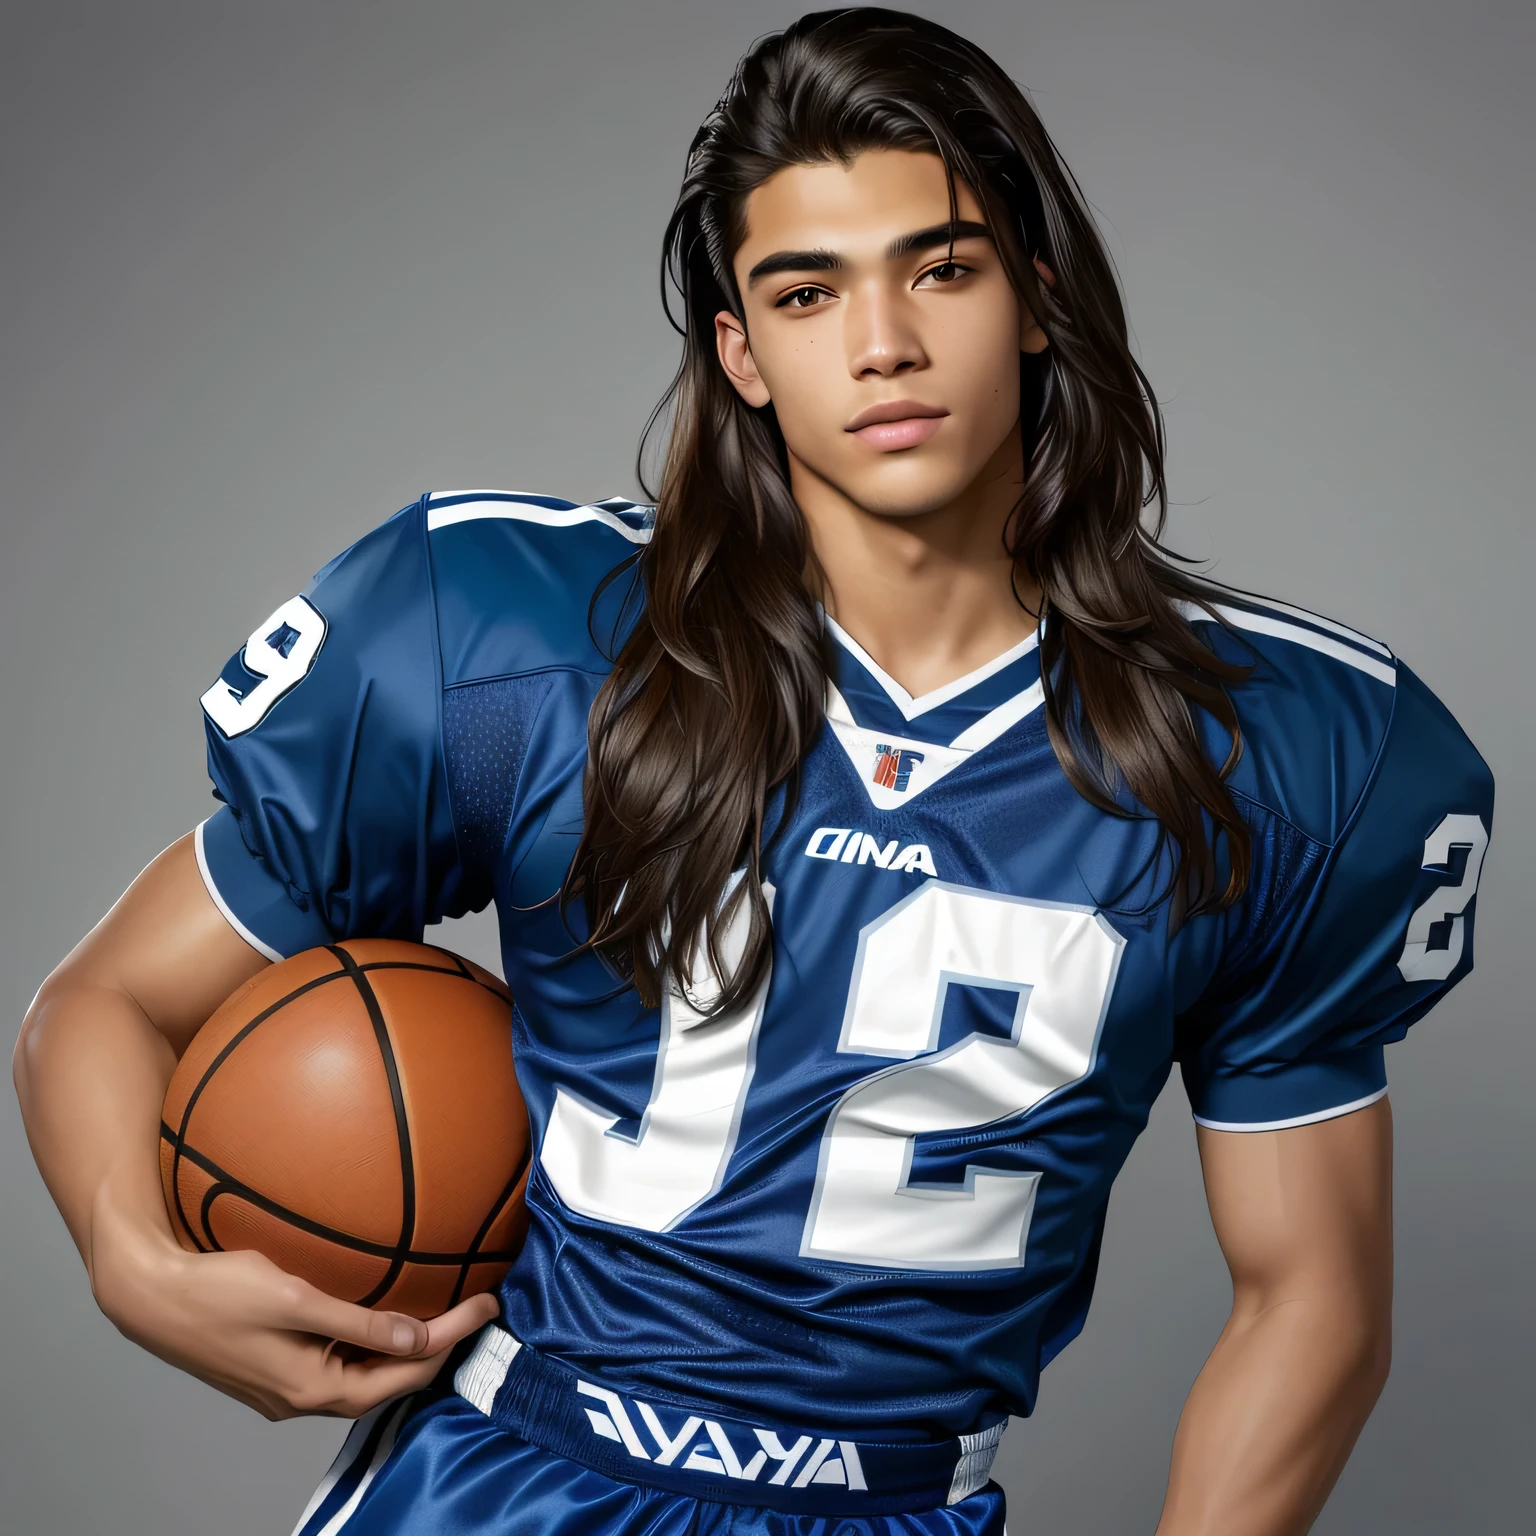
(894, 424)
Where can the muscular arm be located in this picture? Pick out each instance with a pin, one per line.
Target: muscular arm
(91, 1067)
(1304, 1218)
(102, 1038)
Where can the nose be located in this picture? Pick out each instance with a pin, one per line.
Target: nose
(880, 333)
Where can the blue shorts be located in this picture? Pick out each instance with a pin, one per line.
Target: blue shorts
(434, 1465)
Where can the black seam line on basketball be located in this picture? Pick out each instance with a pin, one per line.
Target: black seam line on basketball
(167, 1134)
(407, 965)
(402, 1124)
(214, 1191)
(230, 1185)
(435, 970)
(463, 969)
(213, 1066)
(192, 1232)
(497, 1206)
(458, 960)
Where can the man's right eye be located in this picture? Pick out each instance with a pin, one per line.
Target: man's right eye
(799, 298)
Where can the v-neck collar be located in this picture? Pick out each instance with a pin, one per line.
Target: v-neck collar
(900, 745)
(876, 700)
(911, 707)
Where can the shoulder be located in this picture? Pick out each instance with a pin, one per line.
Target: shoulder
(515, 576)
(512, 582)
(1319, 709)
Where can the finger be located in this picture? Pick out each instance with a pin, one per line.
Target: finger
(307, 1309)
(443, 1332)
(471, 1314)
(364, 1384)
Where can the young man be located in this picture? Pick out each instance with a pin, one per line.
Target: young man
(872, 826)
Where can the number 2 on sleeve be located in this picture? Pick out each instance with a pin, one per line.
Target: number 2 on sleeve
(1418, 962)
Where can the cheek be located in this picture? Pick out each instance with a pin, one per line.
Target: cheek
(981, 362)
(809, 388)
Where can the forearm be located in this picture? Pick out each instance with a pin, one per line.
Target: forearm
(92, 1064)
(91, 1072)
(1273, 1416)
(100, 1043)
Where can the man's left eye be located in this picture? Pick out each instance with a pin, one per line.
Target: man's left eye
(945, 272)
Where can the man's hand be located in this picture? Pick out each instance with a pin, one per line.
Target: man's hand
(1304, 1218)
(92, 1064)
(272, 1341)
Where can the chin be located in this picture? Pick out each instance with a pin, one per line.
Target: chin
(907, 490)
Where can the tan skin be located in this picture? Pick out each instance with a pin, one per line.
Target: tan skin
(91, 1067)
(895, 530)
(1303, 1215)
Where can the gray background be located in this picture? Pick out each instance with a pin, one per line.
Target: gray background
(271, 270)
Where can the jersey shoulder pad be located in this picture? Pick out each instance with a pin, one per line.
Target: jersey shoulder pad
(516, 575)
(1314, 710)
(324, 742)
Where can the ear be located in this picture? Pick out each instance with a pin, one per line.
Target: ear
(736, 358)
(1031, 338)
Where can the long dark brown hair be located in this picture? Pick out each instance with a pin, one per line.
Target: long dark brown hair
(719, 688)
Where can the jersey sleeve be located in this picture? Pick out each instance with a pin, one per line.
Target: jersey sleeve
(324, 744)
(1353, 941)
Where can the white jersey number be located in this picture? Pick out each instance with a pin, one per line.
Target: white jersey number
(280, 653)
(1418, 962)
(1061, 962)
(654, 1178)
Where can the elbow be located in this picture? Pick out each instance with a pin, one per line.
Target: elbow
(36, 1042)
(1362, 1352)
(1368, 1309)
(1343, 1332)
(1376, 1354)
(28, 1039)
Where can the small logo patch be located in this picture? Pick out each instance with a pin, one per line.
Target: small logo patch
(893, 767)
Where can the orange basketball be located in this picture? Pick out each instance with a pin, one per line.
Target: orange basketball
(353, 1114)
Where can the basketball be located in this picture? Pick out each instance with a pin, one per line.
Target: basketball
(353, 1114)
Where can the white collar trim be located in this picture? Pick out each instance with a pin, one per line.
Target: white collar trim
(912, 707)
(936, 761)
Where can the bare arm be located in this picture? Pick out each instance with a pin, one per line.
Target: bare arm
(1304, 1218)
(91, 1067)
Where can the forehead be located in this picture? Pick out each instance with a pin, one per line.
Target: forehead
(854, 209)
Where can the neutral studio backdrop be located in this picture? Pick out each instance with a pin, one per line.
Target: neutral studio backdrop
(269, 271)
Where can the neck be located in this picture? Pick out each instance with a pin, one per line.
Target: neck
(945, 568)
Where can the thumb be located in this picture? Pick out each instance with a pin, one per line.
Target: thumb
(310, 1310)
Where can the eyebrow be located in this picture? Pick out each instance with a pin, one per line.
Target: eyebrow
(822, 260)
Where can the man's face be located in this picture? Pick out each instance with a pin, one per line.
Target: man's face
(892, 366)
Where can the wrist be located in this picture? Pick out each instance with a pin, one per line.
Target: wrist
(134, 1262)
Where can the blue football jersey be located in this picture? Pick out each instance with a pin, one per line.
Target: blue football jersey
(874, 1194)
